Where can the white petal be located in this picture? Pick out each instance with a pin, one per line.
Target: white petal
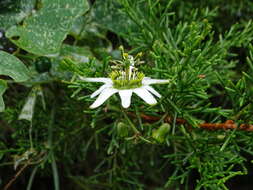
(103, 96)
(148, 81)
(97, 92)
(145, 95)
(153, 91)
(99, 79)
(125, 96)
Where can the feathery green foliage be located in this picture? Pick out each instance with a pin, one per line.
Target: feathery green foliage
(49, 134)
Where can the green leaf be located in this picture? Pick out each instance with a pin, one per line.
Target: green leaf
(110, 15)
(43, 32)
(80, 54)
(3, 87)
(13, 67)
(12, 12)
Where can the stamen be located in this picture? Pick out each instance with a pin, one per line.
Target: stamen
(128, 77)
(122, 81)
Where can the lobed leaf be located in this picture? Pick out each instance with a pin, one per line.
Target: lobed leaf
(13, 67)
(43, 32)
(14, 12)
(3, 87)
(110, 16)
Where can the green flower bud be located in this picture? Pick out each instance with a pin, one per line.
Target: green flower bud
(122, 129)
(160, 134)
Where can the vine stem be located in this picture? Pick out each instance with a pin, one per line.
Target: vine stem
(228, 125)
(7, 186)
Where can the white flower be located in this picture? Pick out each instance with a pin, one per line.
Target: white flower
(125, 81)
(143, 90)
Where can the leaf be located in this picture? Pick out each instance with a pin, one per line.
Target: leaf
(109, 14)
(43, 32)
(80, 54)
(13, 67)
(3, 87)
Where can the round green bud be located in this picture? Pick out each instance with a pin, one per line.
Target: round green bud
(122, 130)
(160, 134)
(42, 64)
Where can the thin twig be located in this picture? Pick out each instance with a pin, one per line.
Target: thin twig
(6, 187)
(31, 161)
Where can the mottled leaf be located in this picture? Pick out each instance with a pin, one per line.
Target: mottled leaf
(13, 12)
(82, 28)
(13, 67)
(43, 32)
(3, 87)
(80, 54)
(110, 15)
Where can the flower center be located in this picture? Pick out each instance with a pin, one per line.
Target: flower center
(127, 79)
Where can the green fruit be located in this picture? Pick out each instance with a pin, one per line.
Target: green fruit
(43, 64)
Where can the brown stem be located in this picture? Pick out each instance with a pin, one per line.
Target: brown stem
(229, 124)
(20, 171)
(6, 187)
